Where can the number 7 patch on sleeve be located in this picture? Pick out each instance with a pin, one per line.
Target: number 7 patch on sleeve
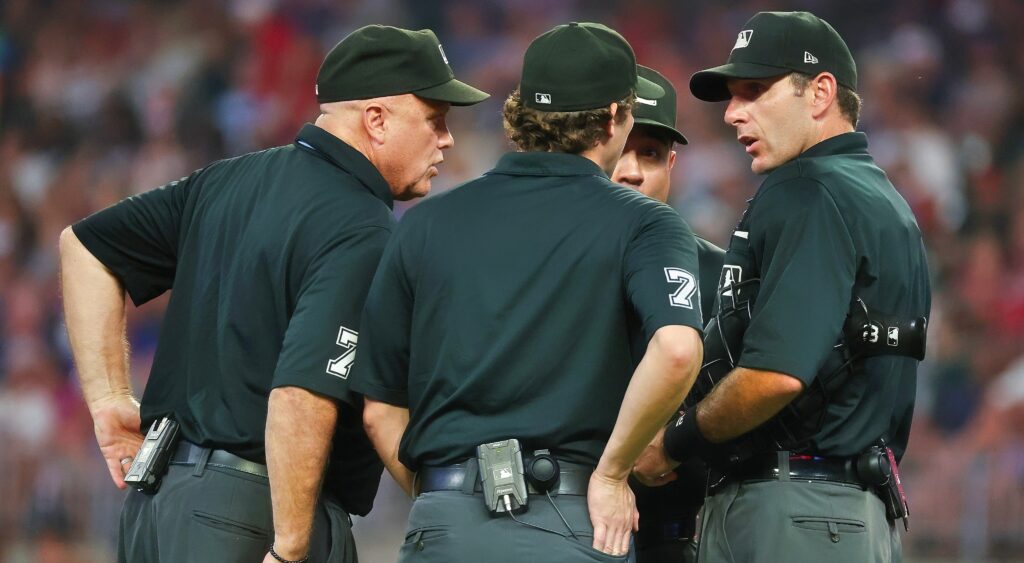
(682, 297)
(342, 365)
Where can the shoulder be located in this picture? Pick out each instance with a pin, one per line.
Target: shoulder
(451, 202)
(789, 191)
(622, 199)
(707, 248)
(248, 161)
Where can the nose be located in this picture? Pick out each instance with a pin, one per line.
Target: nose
(734, 112)
(627, 171)
(445, 140)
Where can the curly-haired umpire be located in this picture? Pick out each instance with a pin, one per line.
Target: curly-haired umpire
(507, 309)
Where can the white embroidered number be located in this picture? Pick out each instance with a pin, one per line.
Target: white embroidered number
(341, 365)
(870, 333)
(681, 298)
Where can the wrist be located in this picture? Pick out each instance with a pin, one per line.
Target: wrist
(112, 399)
(286, 556)
(684, 439)
(607, 471)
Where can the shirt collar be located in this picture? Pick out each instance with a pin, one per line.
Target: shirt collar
(339, 153)
(847, 143)
(546, 164)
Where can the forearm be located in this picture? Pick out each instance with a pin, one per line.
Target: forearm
(742, 401)
(94, 314)
(300, 426)
(385, 425)
(660, 382)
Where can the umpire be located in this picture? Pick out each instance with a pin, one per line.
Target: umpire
(668, 514)
(269, 256)
(826, 278)
(506, 309)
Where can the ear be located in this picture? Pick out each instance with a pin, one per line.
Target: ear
(609, 125)
(824, 90)
(375, 122)
(671, 160)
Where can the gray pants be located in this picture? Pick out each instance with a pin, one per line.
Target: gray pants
(453, 527)
(218, 515)
(796, 521)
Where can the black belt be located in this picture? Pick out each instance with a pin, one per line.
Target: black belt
(188, 453)
(801, 468)
(574, 478)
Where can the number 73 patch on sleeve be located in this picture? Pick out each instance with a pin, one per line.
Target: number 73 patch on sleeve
(342, 365)
(683, 295)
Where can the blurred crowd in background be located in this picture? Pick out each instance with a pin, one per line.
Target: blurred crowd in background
(103, 99)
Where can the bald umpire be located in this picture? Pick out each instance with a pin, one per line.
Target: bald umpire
(269, 256)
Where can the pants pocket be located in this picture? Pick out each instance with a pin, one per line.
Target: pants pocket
(217, 538)
(229, 526)
(585, 545)
(425, 544)
(833, 528)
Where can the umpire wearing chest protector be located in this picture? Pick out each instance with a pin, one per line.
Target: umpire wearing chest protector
(496, 347)
(269, 256)
(804, 405)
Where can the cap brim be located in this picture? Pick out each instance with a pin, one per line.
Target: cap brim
(454, 92)
(673, 133)
(710, 85)
(647, 89)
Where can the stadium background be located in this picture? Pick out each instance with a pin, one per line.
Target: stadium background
(103, 99)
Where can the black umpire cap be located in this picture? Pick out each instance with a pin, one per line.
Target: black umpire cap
(379, 60)
(775, 43)
(581, 66)
(658, 113)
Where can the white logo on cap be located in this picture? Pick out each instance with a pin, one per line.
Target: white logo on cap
(646, 102)
(439, 48)
(542, 98)
(743, 39)
(809, 58)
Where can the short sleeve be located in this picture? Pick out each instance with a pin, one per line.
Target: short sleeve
(323, 332)
(137, 238)
(382, 372)
(661, 272)
(807, 267)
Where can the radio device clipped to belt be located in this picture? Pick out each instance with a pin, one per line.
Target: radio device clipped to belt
(507, 481)
(150, 464)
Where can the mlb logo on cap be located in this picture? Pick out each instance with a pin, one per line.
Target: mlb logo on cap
(743, 39)
(542, 98)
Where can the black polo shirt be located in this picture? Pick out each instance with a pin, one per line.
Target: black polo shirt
(824, 228)
(270, 256)
(711, 258)
(505, 308)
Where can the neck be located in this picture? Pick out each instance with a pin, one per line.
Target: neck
(600, 156)
(335, 125)
(830, 128)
